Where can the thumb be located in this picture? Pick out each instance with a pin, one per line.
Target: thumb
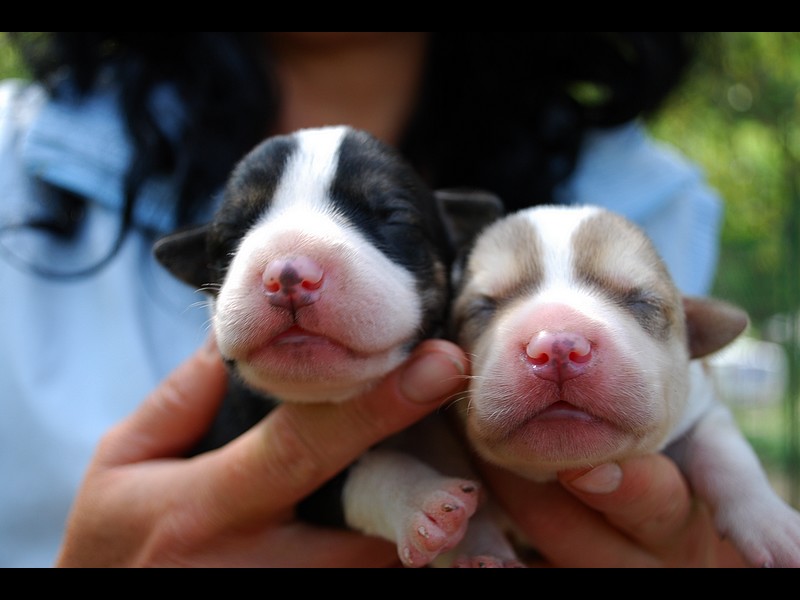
(646, 497)
(175, 415)
(300, 446)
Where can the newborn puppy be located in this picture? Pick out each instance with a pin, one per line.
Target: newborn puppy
(326, 264)
(583, 352)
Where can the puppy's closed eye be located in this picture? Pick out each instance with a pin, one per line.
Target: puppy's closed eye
(649, 310)
(399, 213)
(479, 309)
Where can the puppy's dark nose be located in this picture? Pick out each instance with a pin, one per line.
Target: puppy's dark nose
(293, 282)
(559, 356)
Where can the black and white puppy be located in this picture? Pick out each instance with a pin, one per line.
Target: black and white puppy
(583, 351)
(325, 265)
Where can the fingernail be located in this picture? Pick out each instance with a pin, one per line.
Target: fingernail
(600, 480)
(431, 376)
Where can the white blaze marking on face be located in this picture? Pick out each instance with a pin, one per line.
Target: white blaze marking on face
(300, 200)
(556, 226)
(309, 172)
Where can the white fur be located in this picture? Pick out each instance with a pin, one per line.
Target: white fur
(362, 287)
(555, 225)
(674, 407)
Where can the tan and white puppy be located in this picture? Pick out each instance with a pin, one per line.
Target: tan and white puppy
(583, 351)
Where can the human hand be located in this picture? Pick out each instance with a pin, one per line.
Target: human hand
(635, 513)
(143, 504)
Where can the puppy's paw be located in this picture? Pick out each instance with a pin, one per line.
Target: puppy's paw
(437, 520)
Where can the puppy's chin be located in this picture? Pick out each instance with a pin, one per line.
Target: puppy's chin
(319, 371)
(545, 444)
(537, 427)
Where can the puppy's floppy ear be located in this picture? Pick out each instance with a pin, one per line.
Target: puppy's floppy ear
(184, 254)
(466, 212)
(711, 324)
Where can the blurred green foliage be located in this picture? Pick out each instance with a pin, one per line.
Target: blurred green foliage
(737, 116)
(10, 62)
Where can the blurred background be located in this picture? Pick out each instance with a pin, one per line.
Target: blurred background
(737, 115)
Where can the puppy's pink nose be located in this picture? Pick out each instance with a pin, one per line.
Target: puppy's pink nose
(559, 356)
(293, 282)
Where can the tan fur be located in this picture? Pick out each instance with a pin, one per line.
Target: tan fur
(581, 273)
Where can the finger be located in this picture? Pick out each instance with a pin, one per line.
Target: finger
(647, 497)
(298, 447)
(174, 416)
(560, 527)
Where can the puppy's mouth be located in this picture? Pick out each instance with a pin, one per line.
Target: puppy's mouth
(576, 408)
(300, 336)
(538, 443)
(301, 365)
(298, 343)
(544, 430)
(562, 410)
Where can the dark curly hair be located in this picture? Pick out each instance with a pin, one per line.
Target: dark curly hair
(500, 111)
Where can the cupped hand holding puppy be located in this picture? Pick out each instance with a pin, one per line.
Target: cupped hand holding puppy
(142, 504)
(636, 513)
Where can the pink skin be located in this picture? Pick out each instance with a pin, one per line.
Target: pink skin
(293, 282)
(290, 284)
(316, 284)
(559, 356)
(284, 319)
(440, 522)
(560, 391)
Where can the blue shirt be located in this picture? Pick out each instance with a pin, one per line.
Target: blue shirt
(78, 355)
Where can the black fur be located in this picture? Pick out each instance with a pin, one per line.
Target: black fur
(381, 196)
